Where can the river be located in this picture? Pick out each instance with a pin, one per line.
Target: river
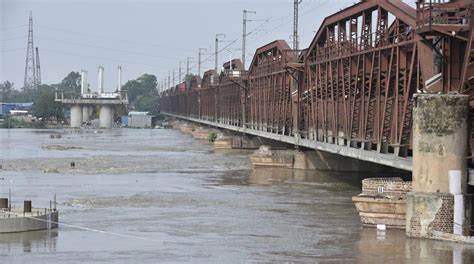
(148, 196)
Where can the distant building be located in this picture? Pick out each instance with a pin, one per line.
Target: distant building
(138, 120)
(15, 108)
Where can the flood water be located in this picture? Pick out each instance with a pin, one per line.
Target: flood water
(148, 196)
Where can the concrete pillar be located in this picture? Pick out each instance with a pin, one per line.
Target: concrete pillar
(76, 116)
(439, 146)
(439, 141)
(106, 116)
(85, 113)
(91, 111)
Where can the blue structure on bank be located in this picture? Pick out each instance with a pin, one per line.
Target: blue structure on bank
(5, 108)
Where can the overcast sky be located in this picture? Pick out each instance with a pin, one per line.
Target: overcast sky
(144, 36)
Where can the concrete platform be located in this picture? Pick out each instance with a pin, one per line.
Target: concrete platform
(383, 201)
(387, 211)
(16, 221)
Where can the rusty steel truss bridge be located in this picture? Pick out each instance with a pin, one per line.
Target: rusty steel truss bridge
(351, 91)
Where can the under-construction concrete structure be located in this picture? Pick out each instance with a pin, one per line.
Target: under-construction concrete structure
(84, 104)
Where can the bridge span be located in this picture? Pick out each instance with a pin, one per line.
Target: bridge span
(351, 92)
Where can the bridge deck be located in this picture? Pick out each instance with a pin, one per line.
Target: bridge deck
(344, 150)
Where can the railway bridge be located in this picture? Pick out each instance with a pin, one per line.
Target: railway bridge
(351, 92)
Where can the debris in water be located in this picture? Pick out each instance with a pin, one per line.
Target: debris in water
(60, 147)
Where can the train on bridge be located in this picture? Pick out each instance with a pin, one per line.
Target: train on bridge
(351, 91)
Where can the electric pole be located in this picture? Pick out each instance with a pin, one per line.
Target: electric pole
(217, 50)
(187, 64)
(244, 33)
(174, 79)
(295, 24)
(169, 79)
(179, 73)
(199, 60)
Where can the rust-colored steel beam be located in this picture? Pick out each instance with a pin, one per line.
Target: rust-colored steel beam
(354, 85)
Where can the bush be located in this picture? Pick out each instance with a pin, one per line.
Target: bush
(212, 136)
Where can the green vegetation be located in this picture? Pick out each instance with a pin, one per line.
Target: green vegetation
(188, 77)
(212, 136)
(18, 122)
(10, 95)
(71, 83)
(45, 107)
(142, 94)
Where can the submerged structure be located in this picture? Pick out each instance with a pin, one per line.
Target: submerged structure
(28, 218)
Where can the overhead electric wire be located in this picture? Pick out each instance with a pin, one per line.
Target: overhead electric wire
(101, 58)
(106, 48)
(13, 27)
(107, 38)
(287, 18)
(13, 38)
(8, 50)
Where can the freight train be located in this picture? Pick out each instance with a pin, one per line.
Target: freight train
(352, 86)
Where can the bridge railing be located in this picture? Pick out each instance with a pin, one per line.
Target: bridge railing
(442, 13)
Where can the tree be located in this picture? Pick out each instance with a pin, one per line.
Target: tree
(6, 89)
(142, 93)
(8, 94)
(149, 103)
(71, 83)
(45, 107)
(188, 77)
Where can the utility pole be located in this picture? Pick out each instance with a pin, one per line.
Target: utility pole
(199, 60)
(174, 78)
(217, 50)
(169, 79)
(244, 33)
(295, 24)
(187, 64)
(179, 73)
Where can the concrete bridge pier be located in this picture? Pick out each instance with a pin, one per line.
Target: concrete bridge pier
(438, 206)
(305, 159)
(226, 140)
(85, 113)
(106, 116)
(76, 115)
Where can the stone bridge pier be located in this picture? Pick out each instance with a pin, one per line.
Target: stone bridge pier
(439, 206)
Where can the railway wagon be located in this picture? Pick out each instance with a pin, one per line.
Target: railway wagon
(231, 93)
(354, 85)
(208, 103)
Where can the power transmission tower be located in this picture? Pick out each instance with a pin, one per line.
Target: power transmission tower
(30, 74)
(199, 60)
(217, 50)
(38, 69)
(244, 33)
(295, 24)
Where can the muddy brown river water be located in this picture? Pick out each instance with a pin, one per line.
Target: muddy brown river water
(159, 196)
